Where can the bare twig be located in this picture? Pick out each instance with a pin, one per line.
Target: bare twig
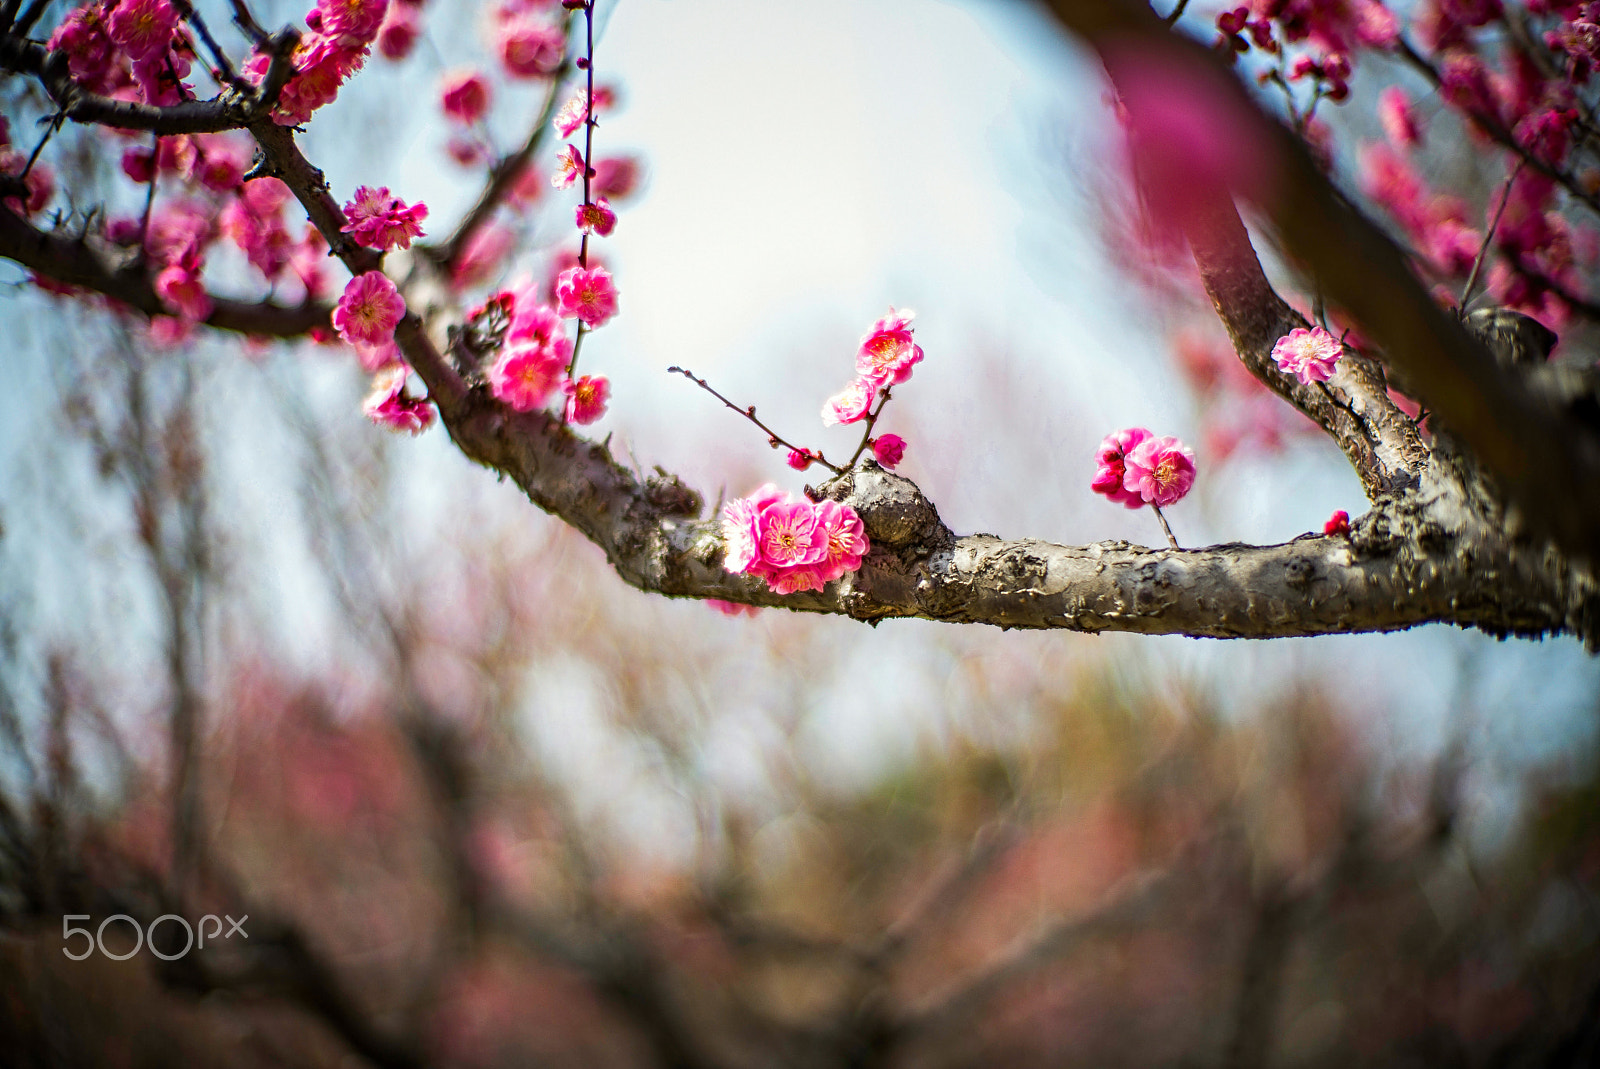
(1488, 239)
(749, 413)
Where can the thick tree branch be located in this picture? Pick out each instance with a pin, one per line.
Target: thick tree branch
(1400, 568)
(72, 262)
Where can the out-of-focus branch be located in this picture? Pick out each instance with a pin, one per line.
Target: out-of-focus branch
(230, 110)
(503, 176)
(72, 262)
(1545, 465)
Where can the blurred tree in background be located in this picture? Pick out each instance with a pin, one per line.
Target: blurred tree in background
(479, 804)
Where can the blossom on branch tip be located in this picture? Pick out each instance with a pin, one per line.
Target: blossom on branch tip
(380, 220)
(889, 449)
(597, 218)
(1159, 470)
(388, 406)
(464, 96)
(587, 294)
(1308, 355)
(369, 310)
(799, 459)
(586, 398)
(1110, 467)
(850, 404)
(524, 377)
(888, 352)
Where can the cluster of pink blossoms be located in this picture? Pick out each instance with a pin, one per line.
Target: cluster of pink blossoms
(341, 35)
(379, 220)
(1308, 355)
(1135, 468)
(128, 48)
(793, 545)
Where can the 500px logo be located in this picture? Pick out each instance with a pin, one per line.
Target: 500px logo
(97, 939)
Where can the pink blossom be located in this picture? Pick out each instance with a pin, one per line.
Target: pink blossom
(850, 404)
(1399, 117)
(254, 222)
(354, 23)
(1159, 470)
(525, 376)
(321, 65)
(382, 221)
(139, 164)
(597, 218)
(374, 358)
(465, 96)
(536, 324)
(181, 290)
(530, 47)
(732, 608)
(569, 168)
(616, 177)
(573, 113)
(83, 36)
(399, 32)
(160, 77)
(793, 545)
(1308, 355)
(1338, 524)
(220, 162)
(388, 406)
(589, 294)
(169, 332)
(890, 449)
(799, 459)
(369, 310)
(482, 256)
(1110, 469)
(888, 353)
(847, 540)
(586, 398)
(143, 27)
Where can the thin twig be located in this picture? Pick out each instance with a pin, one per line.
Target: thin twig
(588, 169)
(1173, 542)
(224, 67)
(54, 125)
(150, 196)
(246, 22)
(1177, 13)
(749, 413)
(29, 17)
(1488, 239)
(866, 434)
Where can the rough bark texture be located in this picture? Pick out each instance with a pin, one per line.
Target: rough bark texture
(1440, 544)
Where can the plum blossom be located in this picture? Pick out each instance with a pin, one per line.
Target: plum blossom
(388, 406)
(482, 255)
(399, 32)
(143, 27)
(573, 114)
(530, 47)
(83, 35)
(616, 177)
(353, 23)
(380, 220)
(536, 324)
(1338, 524)
(793, 545)
(586, 398)
(890, 449)
(888, 352)
(1159, 470)
(1308, 355)
(849, 404)
(524, 377)
(181, 290)
(799, 459)
(587, 294)
(369, 310)
(597, 218)
(569, 168)
(732, 608)
(1110, 466)
(464, 96)
(1398, 116)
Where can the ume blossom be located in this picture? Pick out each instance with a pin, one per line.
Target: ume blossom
(793, 545)
(1308, 355)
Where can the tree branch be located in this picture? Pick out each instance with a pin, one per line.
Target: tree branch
(72, 262)
(229, 110)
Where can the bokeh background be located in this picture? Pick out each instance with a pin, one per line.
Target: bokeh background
(487, 806)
